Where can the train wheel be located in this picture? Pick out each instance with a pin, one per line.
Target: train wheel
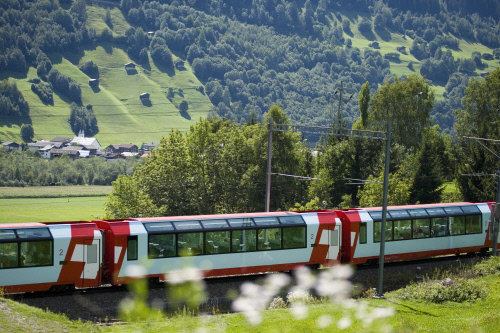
(483, 251)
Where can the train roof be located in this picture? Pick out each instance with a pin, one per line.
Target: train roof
(214, 216)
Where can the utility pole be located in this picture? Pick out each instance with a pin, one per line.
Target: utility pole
(495, 216)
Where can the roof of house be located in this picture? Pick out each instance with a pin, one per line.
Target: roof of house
(85, 141)
(62, 139)
(39, 143)
(10, 143)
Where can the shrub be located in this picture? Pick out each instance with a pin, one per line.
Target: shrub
(460, 290)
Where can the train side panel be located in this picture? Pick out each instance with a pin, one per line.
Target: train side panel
(321, 248)
(404, 249)
(70, 257)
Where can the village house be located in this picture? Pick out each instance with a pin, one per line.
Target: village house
(130, 66)
(10, 146)
(94, 83)
(401, 49)
(180, 65)
(150, 145)
(122, 148)
(81, 140)
(144, 97)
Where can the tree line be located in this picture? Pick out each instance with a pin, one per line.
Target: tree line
(28, 168)
(220, 166)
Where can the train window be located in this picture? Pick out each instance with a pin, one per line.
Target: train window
(161, 246)
(240, 222)
(294, 237)
(377, 227)
(217, 242)
(9, 254)
(362, 233)
(33, 233)
(439, 226)
(214, 224)
(295, 219)
(92, 254)
(190, 244)
(187, 225)
(473, 224)
(470, 209)
(243, 240)
(269, 239)
(158, 227)
(402, 229)
(457, 225)
(435, 211)
(262, 221)
(376, 216)
(7, 234)
(453, 210)
(132, 248)
(398, 214)
(35, 253)
(421, 228)
(418, 212)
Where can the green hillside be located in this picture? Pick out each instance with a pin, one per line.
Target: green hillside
(240, 60)
(122, 117)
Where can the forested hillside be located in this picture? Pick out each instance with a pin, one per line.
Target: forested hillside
(241, 57)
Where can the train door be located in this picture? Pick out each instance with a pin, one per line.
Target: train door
(92, 263)
(334, 240)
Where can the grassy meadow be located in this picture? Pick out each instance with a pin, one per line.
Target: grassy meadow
(52, 203)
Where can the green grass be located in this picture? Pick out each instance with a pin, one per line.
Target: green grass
(51, 209)
(53, 191)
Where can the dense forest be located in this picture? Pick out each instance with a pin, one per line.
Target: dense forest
(251, 55)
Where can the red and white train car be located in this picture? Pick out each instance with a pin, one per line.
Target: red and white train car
(220, 245)
(415, 231)
(47, 256)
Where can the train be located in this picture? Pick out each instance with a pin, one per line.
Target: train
(63, 256)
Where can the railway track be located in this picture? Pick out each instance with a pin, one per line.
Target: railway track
(101, 305)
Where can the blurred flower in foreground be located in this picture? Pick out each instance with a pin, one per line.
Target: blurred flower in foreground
(186, 287)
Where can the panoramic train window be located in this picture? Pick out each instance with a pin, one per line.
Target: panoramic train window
(243, 240)
(7, 234)
(9, 254)
(240, 222)
(158, 227)
(418, 212)
(36, 253)
(269, 239)
(262, 221)
(439, 226)
(362, 233)
(377, 227)
(217, 241)
(190, 244)
(214, 224)
(421, 228)
(294, 219)
(33, 233)
(457, 225)
(187, 225)
(294, 238)
(473, 224)
(402, 229)
(132, 248)
(161, 246)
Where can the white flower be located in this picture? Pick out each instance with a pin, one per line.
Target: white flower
(184, 275)
(304, 279)
(344, 323)
(135, 271)
(324, 321)
(299, 310)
